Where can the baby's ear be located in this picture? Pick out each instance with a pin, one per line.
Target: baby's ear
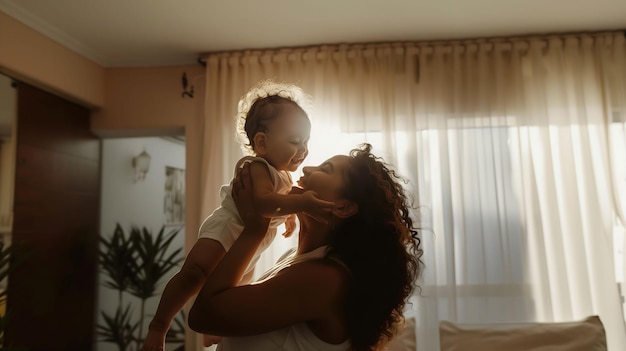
(260, 144)
(345, 208)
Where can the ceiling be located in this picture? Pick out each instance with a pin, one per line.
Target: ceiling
(129, 33)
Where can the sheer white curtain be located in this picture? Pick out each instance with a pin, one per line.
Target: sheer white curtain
(511, 147)
(518, 174)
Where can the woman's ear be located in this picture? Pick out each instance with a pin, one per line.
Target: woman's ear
(345, 208)
(260, 144)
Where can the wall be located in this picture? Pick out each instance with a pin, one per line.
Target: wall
(29, 56)
(131, 203)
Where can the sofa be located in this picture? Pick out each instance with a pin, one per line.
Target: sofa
(583, 335)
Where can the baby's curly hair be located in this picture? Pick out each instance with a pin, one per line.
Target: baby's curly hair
(381, 247)
(262, 104)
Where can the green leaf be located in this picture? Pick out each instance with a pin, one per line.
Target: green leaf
(153, 260)
(117, 259)
(118, 329)
(136, 263)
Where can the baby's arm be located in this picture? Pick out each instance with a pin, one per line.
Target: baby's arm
(199, 264)
(271, 204)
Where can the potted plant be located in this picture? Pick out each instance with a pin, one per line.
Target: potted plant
(136, 263)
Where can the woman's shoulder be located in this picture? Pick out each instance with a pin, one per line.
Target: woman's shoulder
(328, 266)
(322, 284)
(320, 260)
(318, 274)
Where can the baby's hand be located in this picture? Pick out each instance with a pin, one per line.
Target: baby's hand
(316, 207)
(290, 225)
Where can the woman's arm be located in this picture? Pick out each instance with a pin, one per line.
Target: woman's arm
(232, 266)
(305, 291)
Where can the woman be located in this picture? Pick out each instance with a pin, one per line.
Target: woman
(346, 284)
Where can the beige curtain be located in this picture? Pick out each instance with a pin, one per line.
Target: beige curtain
(511, 148)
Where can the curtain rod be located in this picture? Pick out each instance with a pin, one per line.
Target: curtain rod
(203, 61)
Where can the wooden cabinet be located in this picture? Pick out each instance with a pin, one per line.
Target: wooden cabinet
(52, 293)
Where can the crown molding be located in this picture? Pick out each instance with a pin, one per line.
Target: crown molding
(50, 31)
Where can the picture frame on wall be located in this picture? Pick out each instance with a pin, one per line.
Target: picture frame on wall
(174, 201)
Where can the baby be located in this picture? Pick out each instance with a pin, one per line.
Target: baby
(275, 130)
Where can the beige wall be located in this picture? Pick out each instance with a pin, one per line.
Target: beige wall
(29, 56)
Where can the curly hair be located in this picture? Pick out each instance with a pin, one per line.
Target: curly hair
(380, 246)
(262, 104)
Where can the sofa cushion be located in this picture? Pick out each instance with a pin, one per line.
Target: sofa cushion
(587, 335)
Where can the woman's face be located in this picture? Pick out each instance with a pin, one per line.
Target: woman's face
(327, 179)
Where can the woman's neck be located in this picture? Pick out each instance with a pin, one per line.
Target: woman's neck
(313, 234)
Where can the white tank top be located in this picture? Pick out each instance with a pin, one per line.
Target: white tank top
(297, 337)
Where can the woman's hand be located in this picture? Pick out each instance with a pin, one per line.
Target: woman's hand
(243, 196)
(316, 207)
(204, 314)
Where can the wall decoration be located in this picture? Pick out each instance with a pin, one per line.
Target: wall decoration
(174, 202)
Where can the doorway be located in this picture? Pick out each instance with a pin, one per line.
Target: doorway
(143, 187)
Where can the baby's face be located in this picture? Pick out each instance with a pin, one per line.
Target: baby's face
(287, 138)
